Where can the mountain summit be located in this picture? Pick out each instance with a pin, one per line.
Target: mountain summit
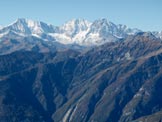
(27, 27)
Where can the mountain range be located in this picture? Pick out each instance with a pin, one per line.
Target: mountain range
(79, 72)
(76, 31)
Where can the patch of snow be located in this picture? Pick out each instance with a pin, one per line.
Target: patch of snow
(80, 36)
(128, 56)
(8, 32)
(141, 89)
(73, 113)
(31, 23)
(118, 59)
(130, 33)
(127, 113)
(147, 93)
(117, 89)
(3, 34)
(36, 35)
(65, 119)
(62, 38)
(93, 39)
(119, 37)
(137, 95)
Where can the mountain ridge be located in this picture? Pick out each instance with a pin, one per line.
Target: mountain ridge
(78, 31)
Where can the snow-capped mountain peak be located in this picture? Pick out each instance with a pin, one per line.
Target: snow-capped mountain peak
(102, 25)
(20, 26)
(73, 27)
(28, 27)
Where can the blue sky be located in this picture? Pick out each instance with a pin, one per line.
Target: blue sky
(142, 14)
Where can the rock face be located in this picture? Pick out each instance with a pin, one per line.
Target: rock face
(115, 82)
